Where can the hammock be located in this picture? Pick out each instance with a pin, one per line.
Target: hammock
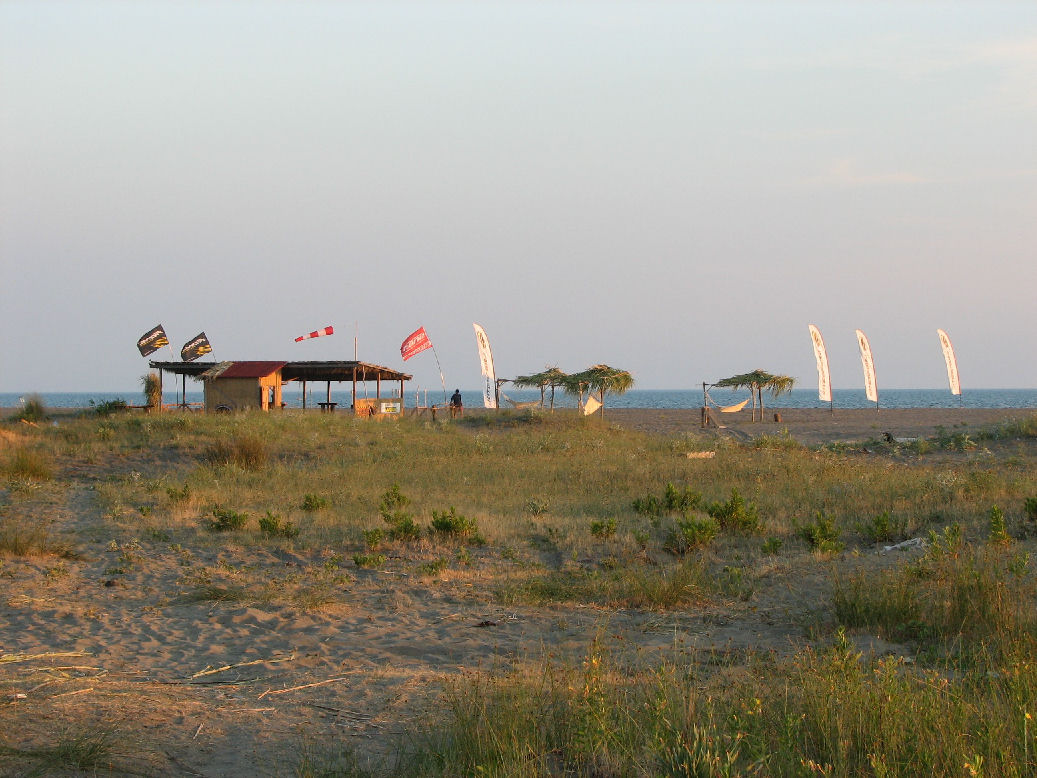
(729, 408)
(520, 405)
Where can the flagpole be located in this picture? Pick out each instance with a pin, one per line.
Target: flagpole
(441, 378)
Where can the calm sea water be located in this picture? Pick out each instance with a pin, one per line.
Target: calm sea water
(637, 398)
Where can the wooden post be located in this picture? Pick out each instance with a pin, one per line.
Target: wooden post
(304, 394)
(354, 387)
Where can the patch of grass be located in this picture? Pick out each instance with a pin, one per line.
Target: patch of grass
(30, 463)
(85, 751)
(29, 539)
(603, 530)
(249, 452)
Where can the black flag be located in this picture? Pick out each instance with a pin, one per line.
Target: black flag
(152, 341)
(195, 347)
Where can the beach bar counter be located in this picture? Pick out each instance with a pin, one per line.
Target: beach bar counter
(257, 385)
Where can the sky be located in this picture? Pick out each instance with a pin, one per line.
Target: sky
(674, 189)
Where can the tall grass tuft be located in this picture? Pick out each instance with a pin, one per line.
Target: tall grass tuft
(29, 463)
(152, 391)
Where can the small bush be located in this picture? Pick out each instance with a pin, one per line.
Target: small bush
(373, 537)
(179, 496)
(369, 560)
(821, 535)
(884, 529)
(680, 500)
(435, 567)
(452, 523)
(690, 533)
(1031, 509)
(32, 409)
(649, 505)
(603, 529)
(772, 546)
(998, 528)
(735, 514)
(108, 407)
(313, 502)
(271, 525)
(225, 519)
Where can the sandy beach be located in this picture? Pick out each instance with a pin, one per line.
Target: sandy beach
(117, 636)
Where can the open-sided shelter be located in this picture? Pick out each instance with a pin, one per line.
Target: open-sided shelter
(258, 384)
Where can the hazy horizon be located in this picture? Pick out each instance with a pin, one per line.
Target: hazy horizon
(674, 189)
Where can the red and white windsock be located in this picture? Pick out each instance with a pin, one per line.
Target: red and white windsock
(316, 334)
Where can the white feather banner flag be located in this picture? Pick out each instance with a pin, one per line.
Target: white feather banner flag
(489, 394)
(871, 388)
(952, 363)
(824, 383)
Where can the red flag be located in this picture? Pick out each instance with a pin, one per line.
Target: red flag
(316, 334)
(415, 343)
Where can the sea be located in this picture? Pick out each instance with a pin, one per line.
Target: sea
(635, 398)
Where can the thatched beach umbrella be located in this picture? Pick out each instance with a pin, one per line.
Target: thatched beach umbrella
(550, 377)
(602, 379)
(756, 382)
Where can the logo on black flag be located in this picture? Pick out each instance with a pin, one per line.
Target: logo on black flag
(152, 341)
(195, 347)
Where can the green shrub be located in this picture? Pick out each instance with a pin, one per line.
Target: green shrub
(401, 523)
(603, 529)
(225, 519)
(772, 545)
(435, 567)
(884, 529)
(179, 496)
(821, 535)
(108, 407)
(735, 514)
(271, 525)
(1031, 509)
(998, 529)
(373, 537)
(452, 523)
(369, 560)
(674, 500)
(314, 502)
(690, 533)
(680, 500)
(649, 505)
(32, 409)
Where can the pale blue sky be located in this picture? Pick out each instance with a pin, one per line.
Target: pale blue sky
(676, 189)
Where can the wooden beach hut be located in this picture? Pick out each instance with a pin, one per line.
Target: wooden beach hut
(239, 386)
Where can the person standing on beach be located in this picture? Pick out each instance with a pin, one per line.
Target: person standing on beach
(455, 404)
